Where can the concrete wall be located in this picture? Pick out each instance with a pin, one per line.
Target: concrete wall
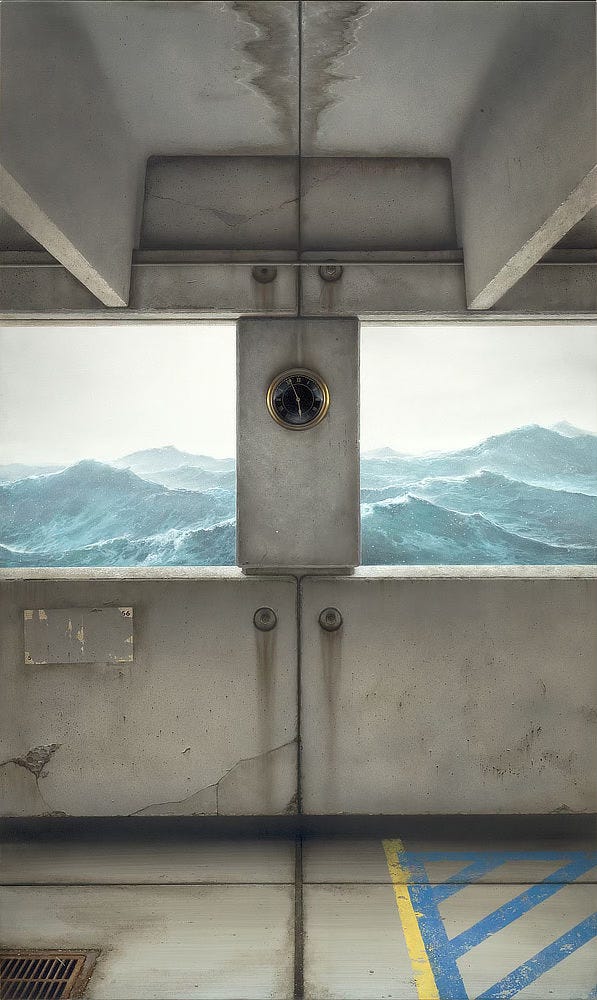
(202, 722)
(449, 695)
(444, 691)
(69, 174)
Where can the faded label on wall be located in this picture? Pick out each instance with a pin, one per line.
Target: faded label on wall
(78, 635)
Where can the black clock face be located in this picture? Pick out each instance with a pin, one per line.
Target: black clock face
(298, 399)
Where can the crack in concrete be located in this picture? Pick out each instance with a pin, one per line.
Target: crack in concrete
(230, 219)
(273, 79)
(216, 785)
(331, 35)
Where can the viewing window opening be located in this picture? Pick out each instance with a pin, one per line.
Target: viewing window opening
(117, 445)
(479, 445)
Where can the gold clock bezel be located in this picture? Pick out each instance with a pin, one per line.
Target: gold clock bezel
(287, 374)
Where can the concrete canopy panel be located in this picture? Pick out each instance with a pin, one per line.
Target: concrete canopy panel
(376, 204)
(221, 203)
(394, 79)
(200, 77)
(297, 491)
(203, 722)
(449, 696)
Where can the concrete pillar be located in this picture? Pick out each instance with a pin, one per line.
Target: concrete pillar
(525, 168)
(69, 173)
(298, 490)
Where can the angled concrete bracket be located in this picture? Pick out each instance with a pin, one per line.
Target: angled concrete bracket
(69, 174)
(525, 170)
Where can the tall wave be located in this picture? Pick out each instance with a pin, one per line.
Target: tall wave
(411, 531)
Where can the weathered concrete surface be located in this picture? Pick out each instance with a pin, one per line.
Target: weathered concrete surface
(236, 203)
(363, 860)
(297, 491)
(13, 236)
(450, 696)
(394, 79)
(355, 947)
(69, 174)
(213, 942)
(200, 78)
(524, 167)
(188, 289)
(78, 635)
(31, 284)
(376, 204)
(202, 722)
(191, 859)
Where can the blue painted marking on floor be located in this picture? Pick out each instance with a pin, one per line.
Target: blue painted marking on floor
(527, 973)
(447, 975)
(469, 874)
(518, 906)
(443, 952)
(593, 994)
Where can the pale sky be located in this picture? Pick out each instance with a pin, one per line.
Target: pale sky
(436, 388)
(68, 393)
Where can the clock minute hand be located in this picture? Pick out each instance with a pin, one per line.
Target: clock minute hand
(298, 402)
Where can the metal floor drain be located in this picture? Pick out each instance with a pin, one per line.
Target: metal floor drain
(44, 975)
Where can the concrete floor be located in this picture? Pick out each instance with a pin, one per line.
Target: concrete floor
(322, 917)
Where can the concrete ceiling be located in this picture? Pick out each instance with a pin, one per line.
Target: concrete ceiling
(198, 77)
(503, 89)
(380, 78)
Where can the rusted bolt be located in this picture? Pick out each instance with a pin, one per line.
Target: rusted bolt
(330, 272)
(330, 619)
(264, 274)
(265, 619)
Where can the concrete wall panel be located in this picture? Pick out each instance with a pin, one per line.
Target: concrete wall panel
(203, 721)
(450, 696)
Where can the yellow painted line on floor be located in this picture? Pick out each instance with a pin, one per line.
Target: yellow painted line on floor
(421, 966)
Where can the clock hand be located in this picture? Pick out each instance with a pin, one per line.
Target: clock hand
(298, 402)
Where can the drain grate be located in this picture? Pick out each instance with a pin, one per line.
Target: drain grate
(44, 975)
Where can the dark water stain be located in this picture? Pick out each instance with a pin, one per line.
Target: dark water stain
(331, 655)
(265, 651)
(329, 35)
(274, 48)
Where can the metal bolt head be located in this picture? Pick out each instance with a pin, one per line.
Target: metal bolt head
(265, 619)
(264, 274)
(330, 272)
(330, 619)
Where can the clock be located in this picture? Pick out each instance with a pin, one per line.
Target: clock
(298, 399)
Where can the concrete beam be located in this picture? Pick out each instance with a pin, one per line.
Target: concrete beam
(33, 286)
(525, 168)
(69, 174)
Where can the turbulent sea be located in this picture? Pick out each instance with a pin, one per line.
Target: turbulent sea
(527, 496)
